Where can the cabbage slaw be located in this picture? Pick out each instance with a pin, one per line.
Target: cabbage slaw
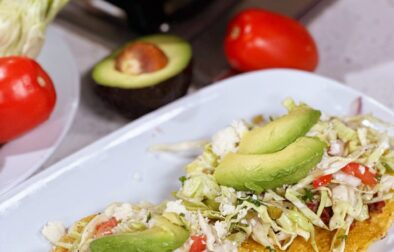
(273, 218)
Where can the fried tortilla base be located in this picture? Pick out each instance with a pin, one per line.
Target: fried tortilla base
(360, 237)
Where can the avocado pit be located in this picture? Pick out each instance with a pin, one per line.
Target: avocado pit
(140, 57)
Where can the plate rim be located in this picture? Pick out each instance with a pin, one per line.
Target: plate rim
(30, 173)
(70, 162)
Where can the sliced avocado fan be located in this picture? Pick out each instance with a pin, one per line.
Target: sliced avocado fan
(164, 236)
(265, 171)
(279, 133)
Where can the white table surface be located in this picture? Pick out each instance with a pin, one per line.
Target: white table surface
(355, 40)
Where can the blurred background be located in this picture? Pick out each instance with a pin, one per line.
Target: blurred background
(354, 38)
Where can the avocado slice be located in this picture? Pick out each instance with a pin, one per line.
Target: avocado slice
(279, 133)
(145, 74)
(265, 171)
(164, 236)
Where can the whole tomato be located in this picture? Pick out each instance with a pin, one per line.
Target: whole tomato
(258, 39)
(27, 96)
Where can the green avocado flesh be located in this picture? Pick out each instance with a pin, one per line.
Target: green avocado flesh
(177, 50)
(265, 171)
(164, 236)
(277, 134)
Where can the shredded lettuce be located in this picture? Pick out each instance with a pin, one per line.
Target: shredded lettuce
(339, 241)
(324, 202)
(382, 146)
(186, 148)
(204, 163)
(293, 197)
(23, 24)
(198, 188)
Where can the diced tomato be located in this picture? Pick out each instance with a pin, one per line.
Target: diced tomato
(199, 243)
(322, 181)
(376, 207)
(361, 172)
(105, 228)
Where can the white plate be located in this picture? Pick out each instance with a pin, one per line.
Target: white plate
(23, 156)
(119, 167)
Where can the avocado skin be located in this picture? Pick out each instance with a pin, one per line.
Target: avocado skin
(135, 102)
(279, 133)
(266, 171)
(163, 237)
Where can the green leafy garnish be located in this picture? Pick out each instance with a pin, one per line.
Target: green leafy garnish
(182, 179)
(308, 195)
(343, 237)
(254, 201)
(270, 249)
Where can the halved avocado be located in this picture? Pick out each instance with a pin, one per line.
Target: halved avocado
(265, 171)
(163, 237)
(145, 74)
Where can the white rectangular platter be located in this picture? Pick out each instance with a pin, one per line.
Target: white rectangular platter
(119, 167)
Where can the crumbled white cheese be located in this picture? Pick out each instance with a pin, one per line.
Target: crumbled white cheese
(176, 207)
(220, 229)
(240, 194)
(227, 139)
(53, 231)
(240, 127)
(226, 209)
(207, 231)
(224, 142)
(121, 211)
(386, 183)
(347, 179)
(336, 148)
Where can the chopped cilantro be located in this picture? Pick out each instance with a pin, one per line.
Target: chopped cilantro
(308, 195)
(254, 201)
(342, 237)
(182, 179)
(270, 249)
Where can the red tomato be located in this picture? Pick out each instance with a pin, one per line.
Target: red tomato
(199, 243)
(258, 39)
(105, 228)
(322, 181)
(361, 172)
(27, 96)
